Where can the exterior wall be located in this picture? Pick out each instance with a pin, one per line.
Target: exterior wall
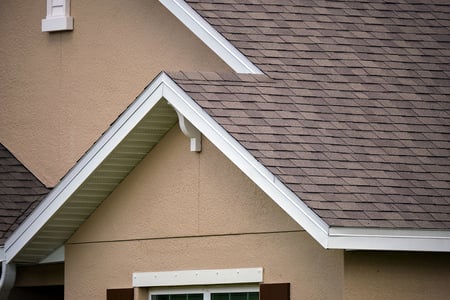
(180, 210)
(59, 91)
(400, 275)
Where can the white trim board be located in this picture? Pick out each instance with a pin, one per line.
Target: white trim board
(388, 239)
(213, 39)
(164, 88)
(198, 277)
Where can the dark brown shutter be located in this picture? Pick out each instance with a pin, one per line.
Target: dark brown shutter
(120, 294)
(275, 291)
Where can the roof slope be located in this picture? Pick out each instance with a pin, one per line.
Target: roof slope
(352, 168)
(20, 192)
(354, 116)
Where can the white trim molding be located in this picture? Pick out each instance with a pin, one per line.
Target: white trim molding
(213, 39)
(198, 277)
(58, 16)
(388, 239)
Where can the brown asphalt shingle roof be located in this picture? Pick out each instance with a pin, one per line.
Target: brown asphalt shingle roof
(354, 113)
(20, 193)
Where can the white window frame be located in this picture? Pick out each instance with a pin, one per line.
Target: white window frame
(205, 290)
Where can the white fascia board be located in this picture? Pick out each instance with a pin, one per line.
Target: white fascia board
(389, 239)
(213, 39)
(83, 169)
(262, 177)
(198, 277)
(2, 254)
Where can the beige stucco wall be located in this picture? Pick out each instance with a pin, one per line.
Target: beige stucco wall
(60, 91)
(397, 275)
(180, 210)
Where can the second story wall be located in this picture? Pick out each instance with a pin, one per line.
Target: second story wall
(59, 91)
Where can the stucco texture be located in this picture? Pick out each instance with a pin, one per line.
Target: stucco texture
(59, 91)
(180, 210)
(396, 275)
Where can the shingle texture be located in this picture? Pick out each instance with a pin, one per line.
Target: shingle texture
(20, 192)
(353, 114)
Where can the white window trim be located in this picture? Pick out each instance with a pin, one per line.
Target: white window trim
(198, 277)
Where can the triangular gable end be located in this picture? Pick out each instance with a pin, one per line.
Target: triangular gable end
(82, 189)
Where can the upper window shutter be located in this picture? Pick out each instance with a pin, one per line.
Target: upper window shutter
(275, 291)
(120, 294)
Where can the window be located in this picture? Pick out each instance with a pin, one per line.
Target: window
(206, 293)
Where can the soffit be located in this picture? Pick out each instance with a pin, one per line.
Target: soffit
(103, 180)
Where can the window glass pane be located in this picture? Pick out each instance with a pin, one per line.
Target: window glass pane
(235, 296)
(178, 297)
(220, 296)
(160, 297)
(238, 296)
(253, 296)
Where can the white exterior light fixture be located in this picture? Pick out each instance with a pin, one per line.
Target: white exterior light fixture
(58, 16)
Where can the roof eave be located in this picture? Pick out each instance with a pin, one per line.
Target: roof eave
(394, 239)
